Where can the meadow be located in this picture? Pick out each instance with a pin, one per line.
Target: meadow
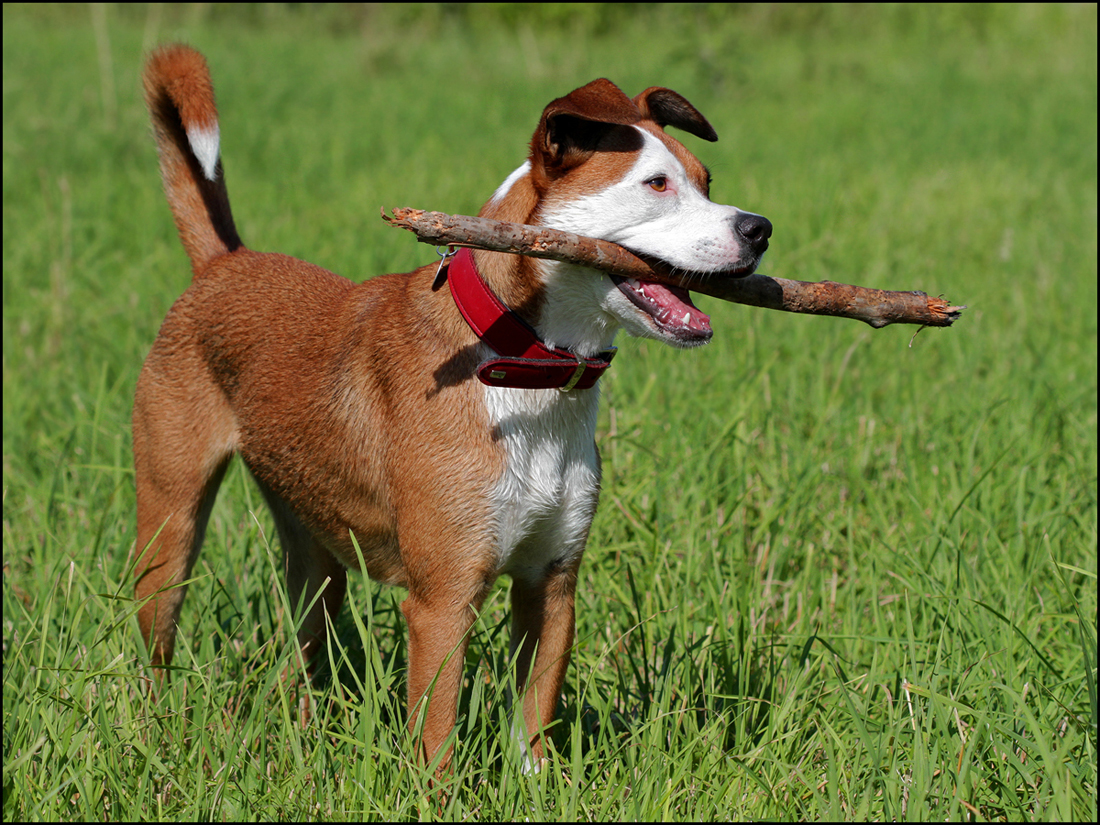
(837, 573)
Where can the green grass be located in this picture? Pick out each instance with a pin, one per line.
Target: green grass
(836, 573)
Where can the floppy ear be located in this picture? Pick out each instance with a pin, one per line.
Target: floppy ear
(667, 108)
(573, 126)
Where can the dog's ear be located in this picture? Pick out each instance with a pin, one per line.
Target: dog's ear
(572, 127)
(667, 108)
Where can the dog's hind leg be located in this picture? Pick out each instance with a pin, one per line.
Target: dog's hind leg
(184, 436)
(310, 569)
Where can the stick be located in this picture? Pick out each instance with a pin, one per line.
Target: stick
(877, 307)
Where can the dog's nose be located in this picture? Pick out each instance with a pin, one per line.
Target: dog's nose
(754, 230)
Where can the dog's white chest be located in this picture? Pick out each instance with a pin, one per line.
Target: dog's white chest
(547, 496)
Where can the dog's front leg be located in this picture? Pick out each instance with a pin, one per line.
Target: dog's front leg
(543, 623)
(439, 622)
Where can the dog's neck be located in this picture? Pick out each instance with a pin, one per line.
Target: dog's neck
(522, 359)
(546, 294)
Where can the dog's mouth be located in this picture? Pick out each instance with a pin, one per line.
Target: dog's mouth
(671, 308)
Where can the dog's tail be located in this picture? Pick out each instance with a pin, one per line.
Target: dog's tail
(180, 97)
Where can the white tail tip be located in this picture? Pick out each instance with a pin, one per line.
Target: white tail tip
(205, 144)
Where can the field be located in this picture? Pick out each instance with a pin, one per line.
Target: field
(837, 573)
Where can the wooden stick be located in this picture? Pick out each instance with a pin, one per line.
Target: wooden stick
(877, 307)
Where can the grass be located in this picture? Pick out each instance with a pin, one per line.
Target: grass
(836, 573)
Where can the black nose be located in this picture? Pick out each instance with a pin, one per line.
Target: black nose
(754, 230)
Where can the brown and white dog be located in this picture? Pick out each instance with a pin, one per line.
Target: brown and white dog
(375, 410)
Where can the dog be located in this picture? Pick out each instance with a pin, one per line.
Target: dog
(449, 432)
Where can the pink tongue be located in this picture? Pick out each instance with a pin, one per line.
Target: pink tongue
(674, 307)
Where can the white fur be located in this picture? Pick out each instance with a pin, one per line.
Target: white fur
(547, 495)
(509, 182)
(205, 143)
(581, 312)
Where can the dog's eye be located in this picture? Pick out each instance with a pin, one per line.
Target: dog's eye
(658, 184)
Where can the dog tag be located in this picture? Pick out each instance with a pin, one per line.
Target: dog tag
(444, 262)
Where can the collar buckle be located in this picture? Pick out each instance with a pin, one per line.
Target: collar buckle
(576, 376)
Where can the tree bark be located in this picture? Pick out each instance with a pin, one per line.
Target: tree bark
(877, 307)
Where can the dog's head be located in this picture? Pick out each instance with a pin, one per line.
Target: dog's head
(601, 165)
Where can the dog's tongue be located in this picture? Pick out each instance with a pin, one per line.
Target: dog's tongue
(671, 308)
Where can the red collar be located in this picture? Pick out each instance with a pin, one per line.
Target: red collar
(522, 361)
